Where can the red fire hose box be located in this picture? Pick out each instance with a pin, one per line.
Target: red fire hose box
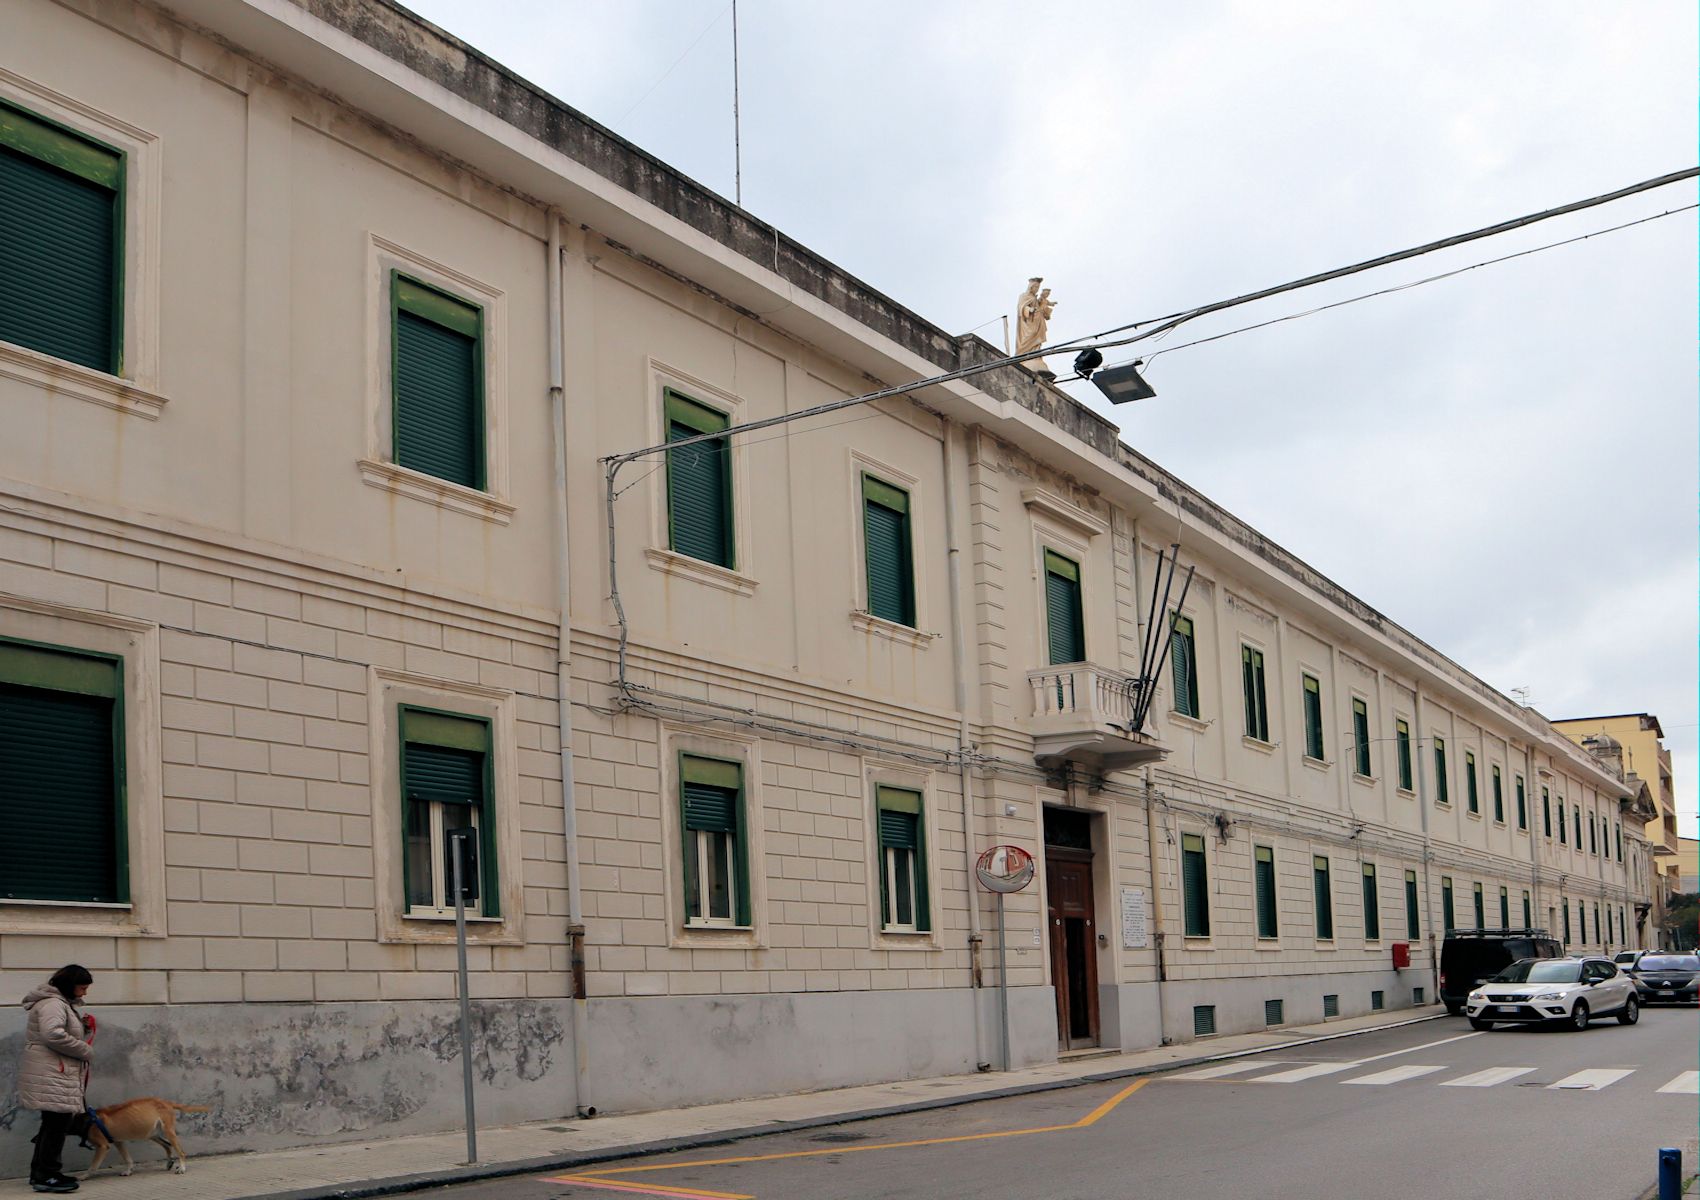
(1401, 955)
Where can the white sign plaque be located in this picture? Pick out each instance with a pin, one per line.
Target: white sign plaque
(1134, 936)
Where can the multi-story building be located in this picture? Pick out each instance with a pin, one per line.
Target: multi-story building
(1688, 865)
(320, 337)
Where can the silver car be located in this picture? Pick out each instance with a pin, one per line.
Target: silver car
(1568, 990)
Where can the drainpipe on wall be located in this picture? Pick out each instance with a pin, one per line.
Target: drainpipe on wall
(1534, 838)
(959, 661)
(1156, 904)
(1428, 844)
(564, 678)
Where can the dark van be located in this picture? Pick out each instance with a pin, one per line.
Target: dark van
(1470, 956)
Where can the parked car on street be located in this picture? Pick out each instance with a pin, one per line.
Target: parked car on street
(1667, 978)
(1569, 990)
(1626, 958)
(1470, 957)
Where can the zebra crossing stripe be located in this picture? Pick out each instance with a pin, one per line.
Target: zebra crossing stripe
(1395, 1075)
(1232, 1068)
(1487, 1078)
(1589, 1081)
(1308, 1071)
(1687, 1083)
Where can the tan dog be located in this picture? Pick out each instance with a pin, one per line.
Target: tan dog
(146, 1117)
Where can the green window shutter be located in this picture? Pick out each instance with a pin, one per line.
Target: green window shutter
(1313, 717)
(1403, 737)
(711, 799)
(1268, 921)
(1196, 898)
(1372, 906)
(1546, 813)
(1324, 897)
(61, 238)
(447, 759)
(1442, 794)
(699, 484)
(1577, 813)
(1593, 842)
(900, 828)
(1064, 623)
(1529, 914)
(1620, 841)
(888, 547)
(1360, 737)
(1412, 924)
(1504, 909)
(1470, 782)
(1184, 656)
(1565, 905)
(438, 383)
(1481, 908)
(1522, 804)
(1498, 797)
(1256, 698)
(1447, 917)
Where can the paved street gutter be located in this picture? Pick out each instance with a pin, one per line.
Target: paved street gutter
(400, 1184)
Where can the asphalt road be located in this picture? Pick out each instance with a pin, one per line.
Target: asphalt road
(1429, 1110)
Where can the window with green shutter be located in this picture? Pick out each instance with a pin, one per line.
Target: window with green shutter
(1413, 929)
(1599, 933)
(1256, 698)
(447, 783)
(1402, 737)
(1324, 897)
(1620, 841)
(887, 546)
(1576, 811)
(61, 241)
(1593, 842)
(1498, 798)
(437, 382)
(1313, 716)
(1360, 739)
(1195, 886)
(1372, 906)
(1448, 919)
(1504, 909)
(1522, 804)
(1183, 654)
(1268, 918)
(1481, 907)
(1546, 813)
(699, 483)
(1565, 905)
(1064, 621)
(904, 905)
(1470, 795)
(62, 775)
(715, 841)
(1442, 792)
(1528, 913)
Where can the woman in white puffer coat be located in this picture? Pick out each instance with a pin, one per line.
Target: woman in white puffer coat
(53, 1072)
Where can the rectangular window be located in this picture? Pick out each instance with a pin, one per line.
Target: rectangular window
(1313, 716)
(903, 861)
(1402, 738)
(1593, 842)
(699, 484)
(61, 276)
(1256, 701)
(1599, 934)
(1196, 901)
(1064, 624)
(1272, 1014)
(1377, 1001)
(715, 842)
(1442, 792)
(62, 774)
(1582, 920)
(1372, 906)
(1331, 1005)
(1564, 827)
(1481, 906)
(887, 543)
(436, 382)
(1324, 898)
(1620, 841)
(1576, 813)
(1522, 804)
(1360, 738)
(1203, 1020)
(1528, 912)
(1412, 924)
(447, 783)
(1183, 651)
(1566, 906)
(1498, 798)
(1268, 921)
(1448, 921)
(1504, 909)
(1546, 813)
(1470, 795)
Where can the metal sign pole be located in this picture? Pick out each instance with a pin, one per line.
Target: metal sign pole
(465, 1004)
(1003, 983)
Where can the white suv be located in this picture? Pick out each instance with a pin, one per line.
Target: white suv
(1572, 990)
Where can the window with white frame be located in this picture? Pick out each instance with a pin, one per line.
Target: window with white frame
(446, 785)
(716, 855)
(904, 906)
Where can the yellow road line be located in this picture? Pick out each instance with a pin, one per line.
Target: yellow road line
(1090, 1118)
(646, 1189)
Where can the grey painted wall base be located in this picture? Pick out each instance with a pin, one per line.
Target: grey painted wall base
(1239, 1002)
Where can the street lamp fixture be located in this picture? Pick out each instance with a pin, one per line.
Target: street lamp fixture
(1124, 383)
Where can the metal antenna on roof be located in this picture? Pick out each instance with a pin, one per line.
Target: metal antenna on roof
(737, 139)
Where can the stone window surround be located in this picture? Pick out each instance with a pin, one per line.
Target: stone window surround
(861, 464)
(746, 752)
(877, 773)
(138, 642)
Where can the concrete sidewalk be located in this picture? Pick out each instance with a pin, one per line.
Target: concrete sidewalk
(410, 1163)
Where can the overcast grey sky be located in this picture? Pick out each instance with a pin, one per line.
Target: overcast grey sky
(1504, 462)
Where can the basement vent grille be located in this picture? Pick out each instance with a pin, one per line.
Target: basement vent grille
(1203, 1020)
(1417, 995)
(1377, 1001)
(1331, 1005)
(1272, 1013)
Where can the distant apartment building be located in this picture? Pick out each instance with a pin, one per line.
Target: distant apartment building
(326, 327)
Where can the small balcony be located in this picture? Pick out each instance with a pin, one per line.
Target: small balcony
(1081, 714)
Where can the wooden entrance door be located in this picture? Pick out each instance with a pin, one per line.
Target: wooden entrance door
(1074, 956)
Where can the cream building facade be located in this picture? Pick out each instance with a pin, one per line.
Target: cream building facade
(309, 556)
